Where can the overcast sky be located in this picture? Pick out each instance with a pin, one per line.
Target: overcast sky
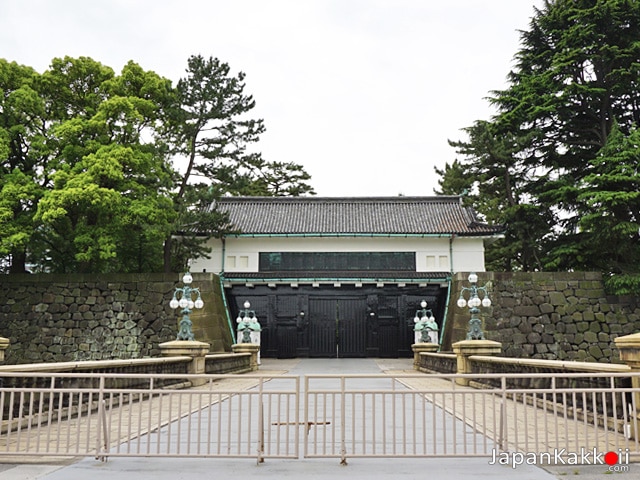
(363, 93)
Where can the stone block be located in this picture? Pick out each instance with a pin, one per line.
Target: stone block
(557, 298)
(560, 285)
(582, 326)
(595, 327)
(527, 310)
(534, 337)
(546, 308)
(590, 337)
(525, 327)
(595, 352)
(518, 338)
(541, 348)
(615, 328)
(40, 308)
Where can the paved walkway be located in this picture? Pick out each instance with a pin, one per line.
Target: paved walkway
(409, 468)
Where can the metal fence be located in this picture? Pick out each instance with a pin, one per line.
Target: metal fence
(224, 417)
(339, 416)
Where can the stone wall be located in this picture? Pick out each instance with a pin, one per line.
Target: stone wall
(554, 316)
(56, 318)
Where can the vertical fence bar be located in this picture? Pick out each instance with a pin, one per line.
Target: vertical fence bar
(180, 402)
(354, 423)
(545, 408)
(126, 404)
(555, 410)
(404, 422)
(305, 417)
(20, 420)
(99, 420)
(169, 424)
(614, 400)
(503, 440)
(343, 423)
(536, 426)
(209, 417)
(526, 423)
(425, 401)
(414, 422)
(160, 397)
(219, 423)
(30, 419)
(260, 452)
(287, 422)
(605, 418)
(297, 417)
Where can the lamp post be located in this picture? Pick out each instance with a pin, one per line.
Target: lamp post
(247, 323)
(475, 322)
(250, 327)
(425, 324)
(183, 298)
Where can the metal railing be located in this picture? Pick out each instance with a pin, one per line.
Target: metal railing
(225, 417)
(340, 416)
(375, 415)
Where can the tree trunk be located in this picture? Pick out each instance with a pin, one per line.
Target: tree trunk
(167, 255)
(18, 262)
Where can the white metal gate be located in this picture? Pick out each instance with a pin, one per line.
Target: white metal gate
(339, 416)
(133, 415)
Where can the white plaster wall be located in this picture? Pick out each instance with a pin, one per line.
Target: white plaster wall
(213, 264)
(468, 255)
(432, 253)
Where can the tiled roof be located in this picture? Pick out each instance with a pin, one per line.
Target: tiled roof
(353, 215)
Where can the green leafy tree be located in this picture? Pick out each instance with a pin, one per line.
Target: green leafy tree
(109, 203)
(87, 182)
(23, 157)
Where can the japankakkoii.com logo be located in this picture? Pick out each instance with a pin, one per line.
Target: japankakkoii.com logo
(617, 461)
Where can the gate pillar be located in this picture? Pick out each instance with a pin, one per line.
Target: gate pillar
(188, 348)
(418, 348)
(4, 344)
(629, 347)
(251, 348)
(468, 348)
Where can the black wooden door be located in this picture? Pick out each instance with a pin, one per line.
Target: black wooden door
(287, 340)
(388, 337)
(286, 314)
(322, 327)
(337, 327)
(352, 332)
(388, 326)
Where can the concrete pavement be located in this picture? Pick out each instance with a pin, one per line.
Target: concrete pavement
(196, 469)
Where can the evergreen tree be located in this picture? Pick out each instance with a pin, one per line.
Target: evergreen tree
(610, 197)
(575, 78)
(211, 132)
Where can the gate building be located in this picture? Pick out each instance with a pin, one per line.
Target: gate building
(343, 277)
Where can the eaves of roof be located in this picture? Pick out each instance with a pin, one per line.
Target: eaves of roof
(353, 216)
